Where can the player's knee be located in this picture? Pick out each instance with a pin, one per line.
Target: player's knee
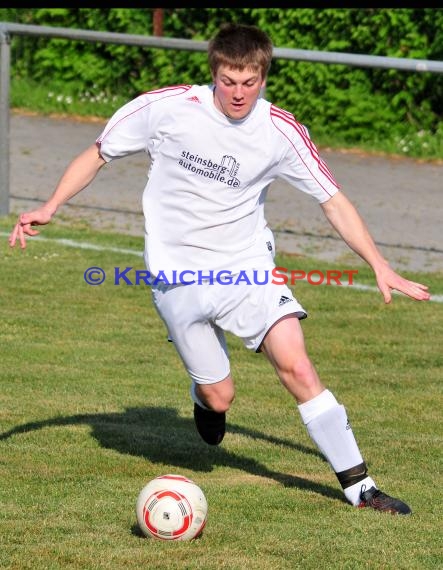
(221, 402)
(220, 406)
(217, 397)
(216, 404)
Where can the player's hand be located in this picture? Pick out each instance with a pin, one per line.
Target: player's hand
(388, 280)
(25, 224)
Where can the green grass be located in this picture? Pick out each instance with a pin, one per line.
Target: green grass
(44, 99)
(94, 403)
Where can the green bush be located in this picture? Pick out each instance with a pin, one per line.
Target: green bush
(340, 104)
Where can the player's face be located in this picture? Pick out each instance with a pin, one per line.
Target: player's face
(236, 91)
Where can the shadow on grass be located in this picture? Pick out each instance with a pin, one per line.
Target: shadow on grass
(161, 436)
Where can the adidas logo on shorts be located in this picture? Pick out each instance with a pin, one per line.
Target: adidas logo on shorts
(284, 300)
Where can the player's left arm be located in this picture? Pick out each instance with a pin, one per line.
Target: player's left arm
(345, 219)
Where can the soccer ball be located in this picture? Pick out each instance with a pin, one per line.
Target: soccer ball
(171, 507)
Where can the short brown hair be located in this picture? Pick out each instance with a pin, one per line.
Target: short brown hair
(239, 46)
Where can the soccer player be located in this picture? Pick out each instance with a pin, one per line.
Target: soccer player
(214, 151)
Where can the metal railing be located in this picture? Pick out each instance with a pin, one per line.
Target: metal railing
(7, 29)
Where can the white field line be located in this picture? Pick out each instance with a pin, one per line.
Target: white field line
(81, 245)
(86, 245)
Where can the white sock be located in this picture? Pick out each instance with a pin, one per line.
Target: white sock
(352, 493)
(328, 426)
(195, 398)
(316, 406)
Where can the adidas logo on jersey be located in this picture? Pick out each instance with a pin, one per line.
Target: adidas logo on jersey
(284, 300)
(194, 99)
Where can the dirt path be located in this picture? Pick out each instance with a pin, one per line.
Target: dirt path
(400, 199)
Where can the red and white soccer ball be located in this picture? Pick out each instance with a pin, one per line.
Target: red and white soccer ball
(171, 507)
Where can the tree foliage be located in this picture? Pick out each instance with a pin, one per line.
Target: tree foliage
(349, 103)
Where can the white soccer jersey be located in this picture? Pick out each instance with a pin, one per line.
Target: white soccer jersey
(204, 199)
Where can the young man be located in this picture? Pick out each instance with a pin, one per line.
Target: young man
(214, 151)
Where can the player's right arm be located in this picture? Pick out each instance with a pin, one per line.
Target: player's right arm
(77, 176)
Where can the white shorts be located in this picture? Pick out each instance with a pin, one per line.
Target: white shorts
(197, 315)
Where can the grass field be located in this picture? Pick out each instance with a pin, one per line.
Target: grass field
(94, 403)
